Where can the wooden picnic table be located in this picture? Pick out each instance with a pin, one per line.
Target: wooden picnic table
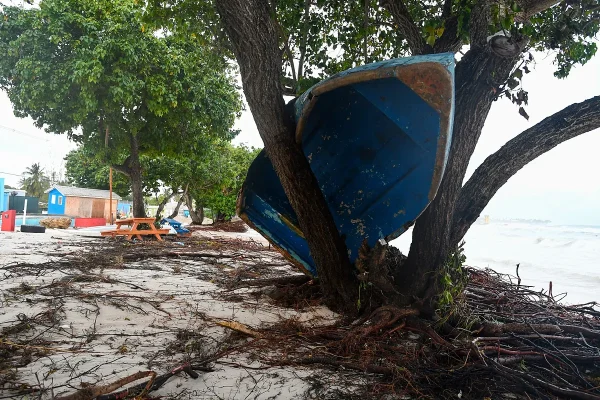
(132, 230)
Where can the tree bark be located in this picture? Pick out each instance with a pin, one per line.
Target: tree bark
(197, 214)
(219, 218)
(175, 212)
(135, 175)
(253, 34)
(498, 168)
(407, 27)
(303, 40)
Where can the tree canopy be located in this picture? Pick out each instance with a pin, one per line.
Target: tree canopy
(226, 170)
(95, 71)
(84, 169)
(210, 179)
(35, 181)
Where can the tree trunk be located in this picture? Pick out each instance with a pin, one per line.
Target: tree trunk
(197, 214)
(175, 212)
(219, 218)
(162, 204)
(478, 76)
(255, 42)
(135, 175)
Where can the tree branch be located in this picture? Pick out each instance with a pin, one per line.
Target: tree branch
(449, 41)
(303, 39)
(366, 28)
(407, 26)
(532, 7)
(447, 10)
(479, 23)
(497, 169)
(123, 168)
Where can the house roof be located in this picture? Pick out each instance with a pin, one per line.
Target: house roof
(72, 191)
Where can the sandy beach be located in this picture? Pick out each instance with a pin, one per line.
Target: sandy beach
(89, 317)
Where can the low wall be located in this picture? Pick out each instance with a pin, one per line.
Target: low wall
(34, 219)
(87, 222)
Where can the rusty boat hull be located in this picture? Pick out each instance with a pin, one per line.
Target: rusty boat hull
(377, 139)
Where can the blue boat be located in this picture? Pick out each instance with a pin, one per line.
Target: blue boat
(377, 138)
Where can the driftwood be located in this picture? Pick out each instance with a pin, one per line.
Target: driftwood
(155, 382)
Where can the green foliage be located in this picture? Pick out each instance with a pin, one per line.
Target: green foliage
(568, 30)
(85, 67)
(330, 37)
(452, 280)
(213, 176)
(225, 170)
(85, 169)
(35, 181)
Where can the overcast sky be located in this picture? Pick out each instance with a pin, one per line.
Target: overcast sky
(562, 185)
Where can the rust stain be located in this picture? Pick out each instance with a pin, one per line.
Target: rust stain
(434, 85)
(429, 80)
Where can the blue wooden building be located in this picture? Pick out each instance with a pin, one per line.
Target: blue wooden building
(81, 202)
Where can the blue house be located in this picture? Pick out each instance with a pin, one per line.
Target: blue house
(81, 202)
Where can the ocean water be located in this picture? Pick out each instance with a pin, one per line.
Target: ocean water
(568, 256)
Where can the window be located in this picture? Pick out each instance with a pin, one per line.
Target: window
(60, 200)
(53, 201)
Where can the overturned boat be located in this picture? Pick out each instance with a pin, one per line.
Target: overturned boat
(377, 138)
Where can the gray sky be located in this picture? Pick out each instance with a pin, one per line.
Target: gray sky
(562, 185)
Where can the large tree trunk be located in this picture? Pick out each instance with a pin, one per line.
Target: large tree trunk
(479, 74)
(135, 176)
(196, 214)
(250, 28)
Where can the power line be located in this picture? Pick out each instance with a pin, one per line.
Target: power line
(23, 133)
(8, 173)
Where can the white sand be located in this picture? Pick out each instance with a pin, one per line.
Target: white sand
(99, 334)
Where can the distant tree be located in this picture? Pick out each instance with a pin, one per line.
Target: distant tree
(9, 187)
(34, 181)
(85, 169)
(94, 70)
(57, 178)
(210, 179)
(229, 167)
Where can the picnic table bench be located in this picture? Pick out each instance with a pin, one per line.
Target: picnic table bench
(132, 230)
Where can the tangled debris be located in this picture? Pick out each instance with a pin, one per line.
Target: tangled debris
(56, 222)
(91, 319)
(229, 226)
(509, 342)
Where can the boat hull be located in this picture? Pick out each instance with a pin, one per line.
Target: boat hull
(377, 139)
